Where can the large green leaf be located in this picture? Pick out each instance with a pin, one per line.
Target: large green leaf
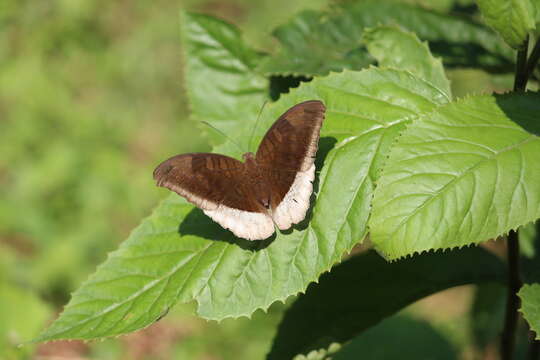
(318, 42)
(365, 289)
(530, 306)
(464, 174)
(222, 86)
(179, 254)
(512, 19)
(394, 47)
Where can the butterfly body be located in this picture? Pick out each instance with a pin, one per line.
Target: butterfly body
(272, 186)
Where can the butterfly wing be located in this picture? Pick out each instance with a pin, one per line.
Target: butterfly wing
(287, 155)
(215, 184)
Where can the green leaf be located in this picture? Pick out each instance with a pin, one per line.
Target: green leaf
(221, 83)
(315, 43)
(464, 174)
(394, 47)
(179, 254)
(512, 19)
(528, 236)
(351, 299)
(529, 246)
(385, 342)
(536, 4)
(530, 306)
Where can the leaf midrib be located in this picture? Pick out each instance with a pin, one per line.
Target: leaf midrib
(135, 295)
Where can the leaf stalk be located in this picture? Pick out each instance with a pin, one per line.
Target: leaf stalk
(508, 338)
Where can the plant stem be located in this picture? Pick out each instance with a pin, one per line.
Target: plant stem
(534, 348)
(520, 80)
(508, 338)
(533, 59)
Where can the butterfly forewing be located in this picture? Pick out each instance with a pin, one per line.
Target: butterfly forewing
(287, 154)
(215, 183)
(291, 143)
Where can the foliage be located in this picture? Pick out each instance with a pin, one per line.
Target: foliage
(464, 173)
(530, 297)
(343, 312)
(314, 43)
(403, 161)
(513, 20)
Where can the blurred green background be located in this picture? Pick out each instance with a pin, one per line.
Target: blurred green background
(91, 100)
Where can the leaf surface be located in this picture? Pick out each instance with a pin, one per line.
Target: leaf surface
(512, 19)
(530, 306)
(385, 342)
(351, 298)
(222, 86)
(315, 43)
(464, 174)
(394, 47)
(179, 254)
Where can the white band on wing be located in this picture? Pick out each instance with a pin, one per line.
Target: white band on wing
(295, 204)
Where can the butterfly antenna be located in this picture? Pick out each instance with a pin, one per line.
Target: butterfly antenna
(223, 134)
(256, 123)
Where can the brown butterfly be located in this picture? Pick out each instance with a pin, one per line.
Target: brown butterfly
(272, 186)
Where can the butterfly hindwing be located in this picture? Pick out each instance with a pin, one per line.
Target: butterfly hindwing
(215, 184)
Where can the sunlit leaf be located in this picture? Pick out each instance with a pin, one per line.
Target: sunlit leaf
(179, 254)
(222, 86)
(365, 289)
(464, 174)
(512, 19)
(394, 47)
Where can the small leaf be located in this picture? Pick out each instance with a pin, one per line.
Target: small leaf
(464, 174)
(528, 237)
(315, 43)
(351, 299)
(512, 19)
(222, 85)
(530, 306)
(179, 254)
(394, 47)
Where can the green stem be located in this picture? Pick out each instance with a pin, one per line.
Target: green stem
(508, 338)
(520, 80)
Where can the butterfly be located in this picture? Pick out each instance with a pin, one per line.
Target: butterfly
(272, 186)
